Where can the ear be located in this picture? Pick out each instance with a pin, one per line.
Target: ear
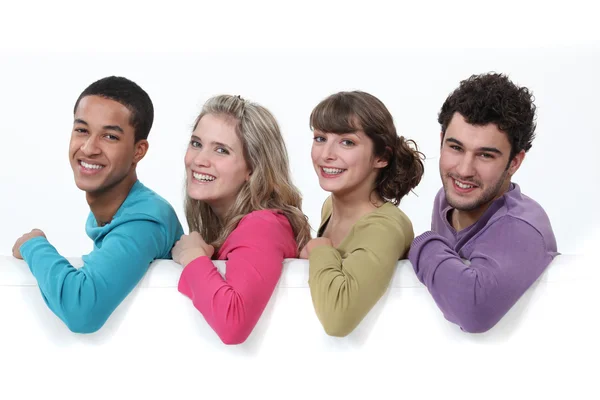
(141, 148)
(380, 163)
(515, 163)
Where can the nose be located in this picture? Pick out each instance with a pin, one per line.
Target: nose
(90, 146)
(466, 166)
(328, 150)
(201, 158)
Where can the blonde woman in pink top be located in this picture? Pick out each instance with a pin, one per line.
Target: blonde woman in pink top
(241, 206)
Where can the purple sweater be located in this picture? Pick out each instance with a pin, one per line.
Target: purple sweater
(476, 275)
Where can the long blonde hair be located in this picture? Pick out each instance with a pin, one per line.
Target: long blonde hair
(269, 186)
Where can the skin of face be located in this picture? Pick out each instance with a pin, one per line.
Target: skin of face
(345, 162)
(102, 150)
(215, 164)
(474, 165)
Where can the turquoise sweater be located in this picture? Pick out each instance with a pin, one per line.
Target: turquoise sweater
(144, 228)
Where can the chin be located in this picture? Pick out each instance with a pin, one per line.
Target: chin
(86, 187)
(194, 195)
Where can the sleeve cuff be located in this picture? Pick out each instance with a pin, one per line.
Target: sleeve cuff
(419, 242)
(325, 255)
(29, 246)
(192, 273)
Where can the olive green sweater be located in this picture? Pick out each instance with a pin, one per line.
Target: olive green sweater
(346, 282)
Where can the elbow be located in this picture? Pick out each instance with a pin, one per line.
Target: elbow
(83, 322)
(233, 337)
(339, 324)
(337, 330)
(232, 333)
(83, 325)
(477, 321)
(476, 327)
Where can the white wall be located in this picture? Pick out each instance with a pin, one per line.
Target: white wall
(157, 345)
(39, 89)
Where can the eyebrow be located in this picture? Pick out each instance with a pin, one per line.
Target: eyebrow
(105, 127)
(319, 132)
(217, 143)
(486, 149)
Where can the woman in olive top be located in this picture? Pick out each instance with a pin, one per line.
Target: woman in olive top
(368, 168)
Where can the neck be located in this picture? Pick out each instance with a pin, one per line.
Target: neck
(104, 205)
(354, 205)
(464, 219)
(220, 209)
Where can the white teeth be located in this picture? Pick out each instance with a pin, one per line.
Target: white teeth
(203, 177)
(90, 166)
(333, 171)
(462, 185)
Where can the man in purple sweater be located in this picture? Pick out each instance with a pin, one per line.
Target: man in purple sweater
(489, 242)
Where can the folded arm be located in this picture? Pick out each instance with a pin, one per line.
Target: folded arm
(233, 305)
(508, 258)
(84, 298)
(344, 290)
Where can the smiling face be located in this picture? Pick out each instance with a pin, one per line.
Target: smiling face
(473, 164)
(215, 164)
(102, 151)
(345, 162)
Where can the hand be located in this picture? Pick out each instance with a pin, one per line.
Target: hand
(314, 243)
(189, 247)
(34, 233)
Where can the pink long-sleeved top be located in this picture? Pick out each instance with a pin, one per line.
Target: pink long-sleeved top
(254, 251)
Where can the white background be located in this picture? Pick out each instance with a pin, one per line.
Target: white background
(561, 170)
(288, 56)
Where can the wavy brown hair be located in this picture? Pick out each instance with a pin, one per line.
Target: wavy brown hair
(347, 112)
(270, 186)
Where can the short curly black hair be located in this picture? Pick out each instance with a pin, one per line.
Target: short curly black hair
(493, 98)
(128, 93)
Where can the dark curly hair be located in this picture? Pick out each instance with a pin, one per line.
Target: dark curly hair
(347, 112)
(129, 94)
(493, 98)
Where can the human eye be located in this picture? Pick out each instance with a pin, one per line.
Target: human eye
(487, 156)
(195, 143)
(347, 143)
(319, 139)
(222, 150)
(111, 137)
(79, 130)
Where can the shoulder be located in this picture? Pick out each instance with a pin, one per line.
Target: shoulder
(387, 215)
(147, 216)
(326, 209)
(520, 206)
(265, 219)
(386, 223)
(440, 202)
(143, 201)
(265, 223)
(264, 229)
(521, 210)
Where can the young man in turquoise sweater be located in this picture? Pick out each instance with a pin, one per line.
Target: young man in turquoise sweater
(130, 224)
